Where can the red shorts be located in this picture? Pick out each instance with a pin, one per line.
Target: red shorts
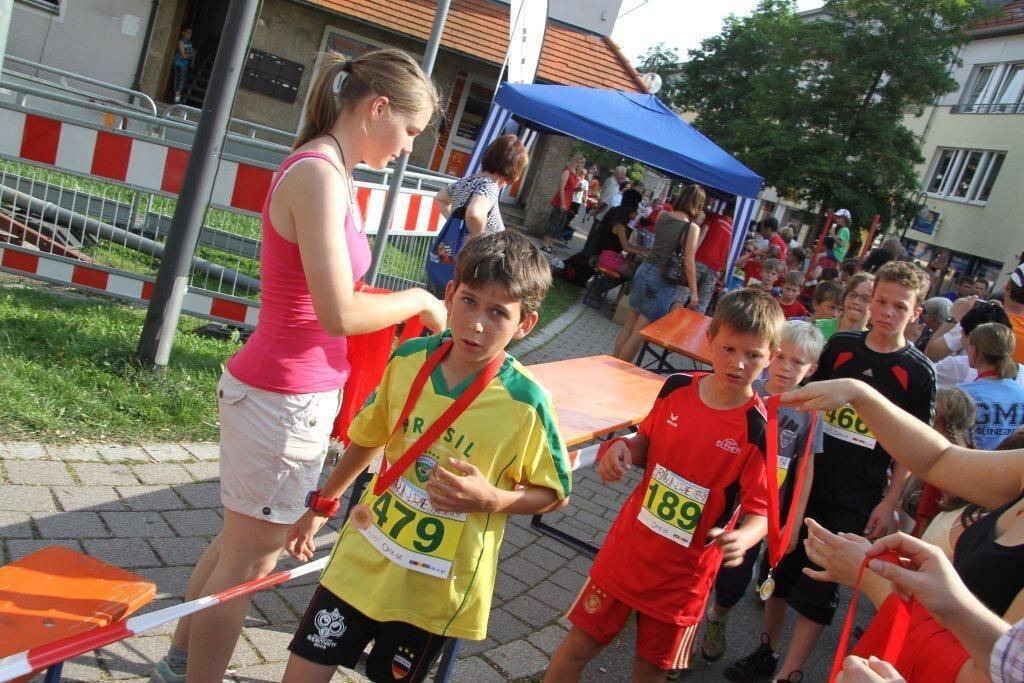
(664, 644)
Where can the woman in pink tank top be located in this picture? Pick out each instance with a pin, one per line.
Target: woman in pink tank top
(280, 393)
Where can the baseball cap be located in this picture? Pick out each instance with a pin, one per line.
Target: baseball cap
(845, 213)
(1017, 276)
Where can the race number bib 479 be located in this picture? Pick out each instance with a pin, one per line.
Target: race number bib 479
(673, 506)
(407, 530)
(844, 423)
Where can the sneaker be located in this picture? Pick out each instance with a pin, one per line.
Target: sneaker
(163, 673)
(757, 666)
(712, 644)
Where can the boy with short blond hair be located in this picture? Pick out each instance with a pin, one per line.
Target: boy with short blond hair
(414, 566)
(791, 284)
(852, 489)
(702, 448)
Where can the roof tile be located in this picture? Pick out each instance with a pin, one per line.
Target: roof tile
(480, 29)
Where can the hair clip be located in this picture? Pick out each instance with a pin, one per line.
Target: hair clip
(339, 80)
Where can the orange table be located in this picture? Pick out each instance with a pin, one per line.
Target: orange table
(57, 592)
(594, 397)
(682, 331)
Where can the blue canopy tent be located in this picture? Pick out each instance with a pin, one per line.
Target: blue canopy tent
(638, 126)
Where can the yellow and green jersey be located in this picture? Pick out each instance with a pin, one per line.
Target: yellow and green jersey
(415, 564)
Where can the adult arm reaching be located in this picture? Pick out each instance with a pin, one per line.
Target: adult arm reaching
(988, 478)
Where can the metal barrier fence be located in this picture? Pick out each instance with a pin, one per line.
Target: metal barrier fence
(90, 207)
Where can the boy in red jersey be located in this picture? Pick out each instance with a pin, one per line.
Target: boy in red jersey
(791, 306)
(702, 449)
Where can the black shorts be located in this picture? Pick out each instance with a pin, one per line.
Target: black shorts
(815, 600)
(333, 633)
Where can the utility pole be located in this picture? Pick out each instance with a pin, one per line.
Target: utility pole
(429, 57)
(172, 277)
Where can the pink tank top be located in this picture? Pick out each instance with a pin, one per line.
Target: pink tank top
(290, 352)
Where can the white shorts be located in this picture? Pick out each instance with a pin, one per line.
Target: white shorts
(272, 448)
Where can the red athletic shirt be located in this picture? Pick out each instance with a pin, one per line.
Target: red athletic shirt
(701, 464)
(777, 241)
(714, 250)
(794, 310)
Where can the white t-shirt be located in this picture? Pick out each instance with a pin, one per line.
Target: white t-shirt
(608, 190)
(953, 370)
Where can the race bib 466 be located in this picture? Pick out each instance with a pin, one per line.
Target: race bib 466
(672, 506)
(844, 423)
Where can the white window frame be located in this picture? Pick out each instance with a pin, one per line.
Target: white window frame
(955, 172)
(987, 101)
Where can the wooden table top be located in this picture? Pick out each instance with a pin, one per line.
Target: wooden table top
(597, 395)
(682, 331)
(57, 592)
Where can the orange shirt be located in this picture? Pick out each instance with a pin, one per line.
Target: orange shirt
(1017, 323)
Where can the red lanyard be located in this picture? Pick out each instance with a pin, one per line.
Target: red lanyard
(778, 533)
(897, 631)
(985, 374)
(388, 475)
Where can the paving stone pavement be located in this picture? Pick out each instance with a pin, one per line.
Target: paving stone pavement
(154, 508)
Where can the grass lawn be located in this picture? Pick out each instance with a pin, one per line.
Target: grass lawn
(67, 371)
(67, 374)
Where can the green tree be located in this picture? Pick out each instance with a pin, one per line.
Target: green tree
(664, 61)
(816, 105)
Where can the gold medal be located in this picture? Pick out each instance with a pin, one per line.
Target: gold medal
(766, 589)
(361, 517)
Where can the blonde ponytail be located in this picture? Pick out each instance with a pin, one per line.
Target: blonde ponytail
(341, 83)
(994, 343)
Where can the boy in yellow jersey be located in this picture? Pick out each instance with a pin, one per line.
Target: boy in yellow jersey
(415, 565)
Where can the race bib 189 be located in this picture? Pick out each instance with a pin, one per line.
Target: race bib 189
(844, 423)
(407, 530)
(673, 506)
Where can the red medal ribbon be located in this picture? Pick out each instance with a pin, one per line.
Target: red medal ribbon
(985, 374)
(779, 534)
(897, 633)
(388, 475)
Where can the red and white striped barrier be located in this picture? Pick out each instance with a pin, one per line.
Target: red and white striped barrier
(121, 284)
(155, 165)
(35, 659)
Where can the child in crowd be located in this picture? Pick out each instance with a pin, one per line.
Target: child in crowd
(856, 312)
(797, 357)
(826, 302)
(702, 449)
(791, 284)
(847, 269)
(852, 490)
(771, 270)
(414, 566)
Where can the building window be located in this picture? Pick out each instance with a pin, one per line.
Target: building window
(994, 89)
(965, 175)
(48, 5)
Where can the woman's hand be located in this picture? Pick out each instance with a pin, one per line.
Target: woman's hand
(694, 300)
(826, 395)
(300, 536)
(434, 314)
(839, 555)
(926, 574)
(870, 670)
